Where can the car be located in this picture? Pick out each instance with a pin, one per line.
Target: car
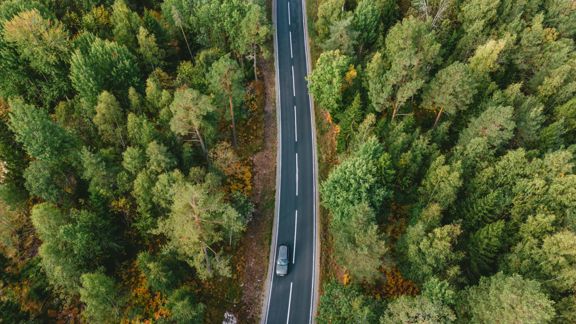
(282, 261)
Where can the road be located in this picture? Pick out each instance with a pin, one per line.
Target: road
(290, 299)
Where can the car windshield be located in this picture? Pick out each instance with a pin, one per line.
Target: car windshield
(282, 261)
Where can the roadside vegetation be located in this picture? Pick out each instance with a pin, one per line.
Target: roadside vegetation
(451, 192)
(127, 132)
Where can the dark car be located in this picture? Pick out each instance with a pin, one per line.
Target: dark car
(282, 261)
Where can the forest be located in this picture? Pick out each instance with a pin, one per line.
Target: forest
(126, 131)
(448, 142)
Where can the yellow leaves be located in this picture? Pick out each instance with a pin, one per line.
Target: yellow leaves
(350, 75)
(121, 205)
(346, 278)
(396, 285)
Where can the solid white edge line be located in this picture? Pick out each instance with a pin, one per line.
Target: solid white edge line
(296, 174)
(289, 302)
(295, 231)
(316, 253)
(274, 239)
(293, 82)
(289, 21)
(295, 125)
(291, 50)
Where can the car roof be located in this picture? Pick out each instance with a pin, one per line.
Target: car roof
(283, 251)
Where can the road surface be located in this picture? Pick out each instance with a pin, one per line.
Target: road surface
(290, 299)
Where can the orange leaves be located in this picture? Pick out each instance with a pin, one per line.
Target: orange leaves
(396, 285)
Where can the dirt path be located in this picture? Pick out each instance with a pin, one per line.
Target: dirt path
(256, 242)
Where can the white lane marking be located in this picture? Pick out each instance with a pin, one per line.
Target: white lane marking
(291, 50)
(295, 230)
(296, 174)
(289, 302)
(289, 21)
(295, 125)
(293, 82)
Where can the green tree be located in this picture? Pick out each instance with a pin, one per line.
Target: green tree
(496, 124)
(40, 136)
(254, 33)
(327, 80)
(190, 111)
(451, 91)
(125, 24)
(418, 309)
(506, 299)
(148, 48)
(365, 176)
(343, 37)
(484, 247)
(358, 245)
(441, 184)
(200, 220)
(345, 304)
(225, 83)
(329, 12)
(367, 23)
(184, 308)
(162, 272)
(411, 52)
(110, 120)
(103, 65)
(104, 302)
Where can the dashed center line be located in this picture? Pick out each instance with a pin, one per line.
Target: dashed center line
(295, 125)
(289, 22)
(293, 82)
(296, 174)
(295, 231)
(291, 50)
(289, 302)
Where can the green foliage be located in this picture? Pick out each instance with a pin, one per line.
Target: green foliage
(417, 309)
(103, 65)
(342, 304)
(484, 247)
(365, 176)
(199, 221)
(184, 308)
(102, 299)
(503, 298)
(327, 79)
(441, 184)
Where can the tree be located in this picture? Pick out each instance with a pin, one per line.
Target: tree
(506, 299)
(451, 91)
(495, 124)
(40, 136)
(484, 247)
(42, 42)
(418, 309)
(103, 301)
(254, 32)
(411, 52)
(199, 221)
(162, 272)
(184, 308)
(190, 110)
(125, 24)
(159, 158)
(103, 65)
(441, 184)
(327, 79)
(365, 176)
(49, 181)
(345, 304)
(486, 57)
(225, 83)
(343, 37)
(366, 22)
(110, 120)
(148, 48)
(358, 245)
(329, 12)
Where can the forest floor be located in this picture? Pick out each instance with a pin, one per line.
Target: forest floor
(255, 245)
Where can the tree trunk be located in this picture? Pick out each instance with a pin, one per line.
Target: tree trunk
(394, 110)
(186, 40)
(207, 258)
(438, 116)
(201, 140)
(255, 63)
(234, 140)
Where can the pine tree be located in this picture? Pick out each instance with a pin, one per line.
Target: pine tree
(484, 247)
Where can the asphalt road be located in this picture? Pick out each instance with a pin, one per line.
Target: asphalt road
(290, 298)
